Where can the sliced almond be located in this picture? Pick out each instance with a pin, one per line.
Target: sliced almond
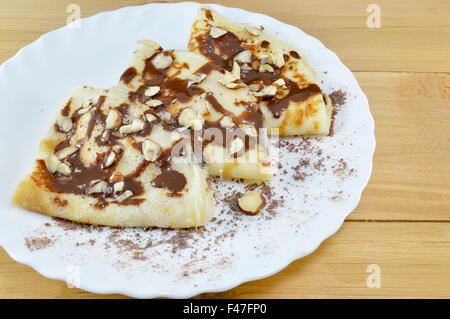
(153, 103)
(151, 150)
(98, 186)
(251, 203)
(217, 32)
(65, 123)
(227, 122)
(135, 126)
(61, 154)
(125, 195)
(113, 120)
(254, 30)
(110, 159)
(277, 59)
(162, 61)
(151, 91)
(52, 162)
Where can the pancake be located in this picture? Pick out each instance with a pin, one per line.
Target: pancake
(226, 124)
(106, 161)
(277, 74)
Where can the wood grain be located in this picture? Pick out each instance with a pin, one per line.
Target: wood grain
(411, 176)
(414, 36)
(413, 258)
(402, 223)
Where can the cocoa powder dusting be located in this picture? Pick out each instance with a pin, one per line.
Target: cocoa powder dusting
(37, 243)
(338, 98)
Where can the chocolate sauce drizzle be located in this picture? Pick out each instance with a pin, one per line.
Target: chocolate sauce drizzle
(172, 90)
(229, 45)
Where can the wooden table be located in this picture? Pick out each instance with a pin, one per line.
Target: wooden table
(402, 223)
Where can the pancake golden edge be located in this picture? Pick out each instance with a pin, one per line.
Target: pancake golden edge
(298, 107)
(190, 207)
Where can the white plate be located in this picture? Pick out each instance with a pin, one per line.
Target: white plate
(229, 251)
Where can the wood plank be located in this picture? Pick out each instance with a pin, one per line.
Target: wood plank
(413, 258)
(411, 176)
(413, 36)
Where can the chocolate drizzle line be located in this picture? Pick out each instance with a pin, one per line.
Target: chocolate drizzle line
(227, 45)
(296, 94)
(168, 178)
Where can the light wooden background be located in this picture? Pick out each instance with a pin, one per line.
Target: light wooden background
(403, 220)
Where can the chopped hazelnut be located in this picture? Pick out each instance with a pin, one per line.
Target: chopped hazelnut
(64, 123)
(150, 117)
(277, 59)
(124, 196)
(253, 30)
(135, 126)
(63, 169)
(244, 57)
(61, 154)
(110, 159)
(52, 162)
(189, 118)
(251, 203)
(151, 150)
(227, 122)
(113, 120)
(98, 186)
(265, 68)
(118, 187)
(162, 61)
(217, 32)
(195, 78)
